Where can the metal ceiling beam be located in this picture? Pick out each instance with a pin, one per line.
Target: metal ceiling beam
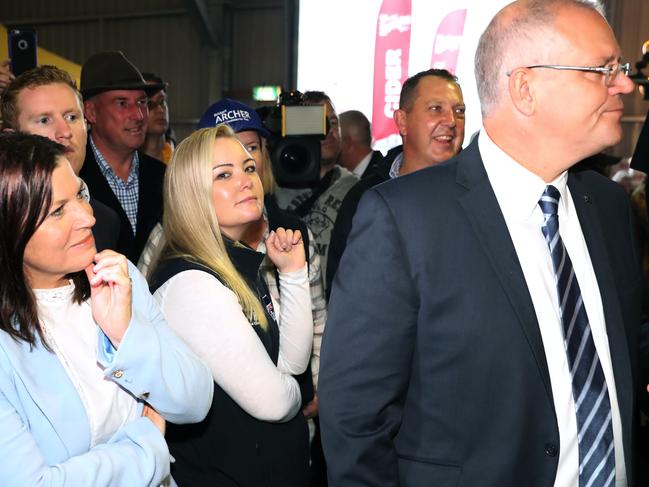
(198, 13)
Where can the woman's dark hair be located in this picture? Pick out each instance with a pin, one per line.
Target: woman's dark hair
(26, 166)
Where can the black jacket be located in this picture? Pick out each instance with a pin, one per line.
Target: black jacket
(149, 210)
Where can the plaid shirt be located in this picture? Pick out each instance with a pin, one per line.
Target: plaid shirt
(128, 192)
(396, 166)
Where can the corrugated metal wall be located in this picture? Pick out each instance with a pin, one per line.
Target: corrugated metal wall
(164, 37)
(161, 36)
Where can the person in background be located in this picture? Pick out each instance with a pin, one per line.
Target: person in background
(356, 154)
(117, 173)
(318, 206)
(6, 76)
(45, 101)
(254, 434)
(159, 142)
(430, 120)
(89, 371)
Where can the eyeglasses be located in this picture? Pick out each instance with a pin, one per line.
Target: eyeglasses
(610, 72)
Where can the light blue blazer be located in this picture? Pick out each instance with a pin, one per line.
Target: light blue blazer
(44, 430)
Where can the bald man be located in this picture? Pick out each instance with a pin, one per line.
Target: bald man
(490, 336)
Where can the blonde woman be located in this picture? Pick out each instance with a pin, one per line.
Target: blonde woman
(253, 434)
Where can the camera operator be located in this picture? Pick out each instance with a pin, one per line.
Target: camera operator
(318, 206)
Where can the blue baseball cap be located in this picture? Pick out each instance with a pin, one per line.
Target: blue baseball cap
(238, 116)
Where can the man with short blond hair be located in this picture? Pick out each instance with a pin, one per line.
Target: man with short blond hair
(45, 101)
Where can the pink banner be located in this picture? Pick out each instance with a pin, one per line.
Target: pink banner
(392, 48)
(446, 46)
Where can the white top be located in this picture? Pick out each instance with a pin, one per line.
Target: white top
(71, 332)
(518, 192)
(209, 318)
(362, 165)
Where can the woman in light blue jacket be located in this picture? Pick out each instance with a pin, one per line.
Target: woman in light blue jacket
(89, 371)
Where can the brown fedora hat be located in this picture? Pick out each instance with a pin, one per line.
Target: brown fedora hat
(106, 71)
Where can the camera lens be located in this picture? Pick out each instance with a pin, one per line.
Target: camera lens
(294, 159)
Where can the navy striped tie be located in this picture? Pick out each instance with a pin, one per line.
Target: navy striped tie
(589, 391)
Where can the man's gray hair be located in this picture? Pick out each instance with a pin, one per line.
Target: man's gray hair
(495, 42)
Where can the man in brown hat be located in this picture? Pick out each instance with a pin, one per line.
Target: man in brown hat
(117, 174)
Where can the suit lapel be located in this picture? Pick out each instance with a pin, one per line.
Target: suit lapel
(98, 185)
(483, 211)
(586, 206)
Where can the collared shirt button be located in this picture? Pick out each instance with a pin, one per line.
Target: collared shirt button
(551, 450)
(118, 374)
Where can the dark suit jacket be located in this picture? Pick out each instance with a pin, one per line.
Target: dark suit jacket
(375, 160)
(433, 370)
(106, 229)
(149, 210)
(375, 174)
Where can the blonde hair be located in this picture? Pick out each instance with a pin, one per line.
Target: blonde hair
(267, 180)
(191, 229)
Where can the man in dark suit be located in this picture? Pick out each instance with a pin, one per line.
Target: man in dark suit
(490, 337)
(45, 101)
(430, 119)
(118, 175)
(356, 154)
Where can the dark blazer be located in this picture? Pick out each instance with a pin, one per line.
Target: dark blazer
(373, 175)
(433, 370)
(149, 210)
(106, 229)
(375, 160)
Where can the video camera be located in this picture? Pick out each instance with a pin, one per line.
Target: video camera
(294, 146)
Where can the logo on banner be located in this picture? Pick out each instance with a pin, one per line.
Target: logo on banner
(446, 47)
(391, 55)
(390, 22)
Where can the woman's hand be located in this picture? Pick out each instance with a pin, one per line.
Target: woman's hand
(285, 250)
(157, 420)
(110, 294)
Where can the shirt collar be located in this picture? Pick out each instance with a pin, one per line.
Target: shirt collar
(362, 165)
(396, 166)
(105, 168)
(517, 189)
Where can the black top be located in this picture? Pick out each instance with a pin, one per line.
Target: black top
(375, 174)
(229, 447)
(106, 228)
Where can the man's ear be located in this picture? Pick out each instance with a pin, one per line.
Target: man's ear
(399, 117)
(89, 111)
(521, 91)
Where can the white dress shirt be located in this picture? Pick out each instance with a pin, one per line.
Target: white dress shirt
(518, 192)
(71, 332)
(362, 165)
